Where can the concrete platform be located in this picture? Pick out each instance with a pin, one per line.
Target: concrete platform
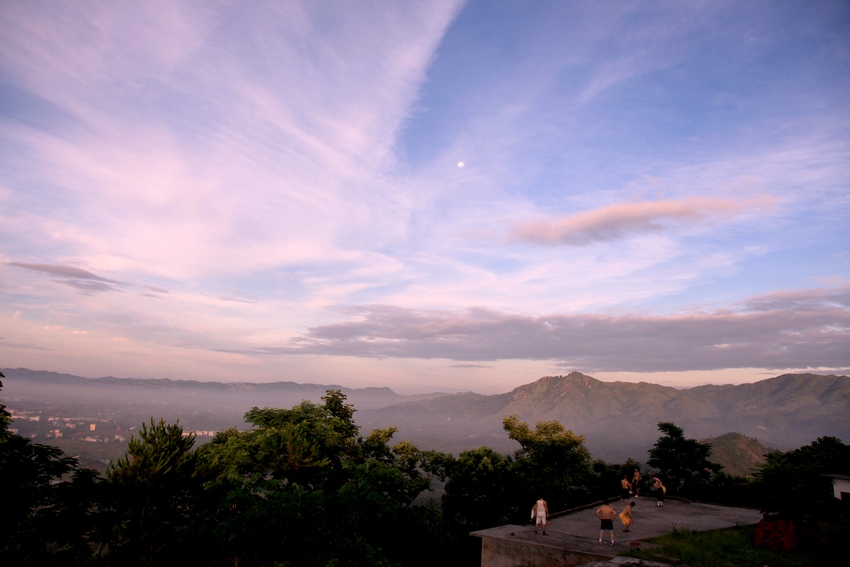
(572, 538)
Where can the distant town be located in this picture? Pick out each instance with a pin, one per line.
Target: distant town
(45, 425)
(37, 426)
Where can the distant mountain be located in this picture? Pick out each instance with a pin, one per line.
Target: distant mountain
(738, 453)
(619, 419)
(276, 394)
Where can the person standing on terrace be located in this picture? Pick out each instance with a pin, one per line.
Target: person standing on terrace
(541, 514)
(606, 514)
(636, 483)
(625, 489)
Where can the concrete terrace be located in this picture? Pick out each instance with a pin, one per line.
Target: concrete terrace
(573, 536)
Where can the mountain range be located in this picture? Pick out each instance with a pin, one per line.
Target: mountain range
(618, 419)
(282, 393)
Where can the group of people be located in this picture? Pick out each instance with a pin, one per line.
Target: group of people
(605, 513)
(632, 488)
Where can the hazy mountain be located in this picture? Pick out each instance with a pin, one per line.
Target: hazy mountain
(738, 453)
(129, 402)
(273, 394)
(619, 419)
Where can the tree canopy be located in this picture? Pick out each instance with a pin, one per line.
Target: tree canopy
(552, 461)
(44, 495)
(682, 463)
(795, 482)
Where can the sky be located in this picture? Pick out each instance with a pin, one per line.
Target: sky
(434, 195)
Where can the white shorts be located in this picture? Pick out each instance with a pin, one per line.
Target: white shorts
(541, 519)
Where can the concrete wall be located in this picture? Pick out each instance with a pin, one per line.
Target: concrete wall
(502, 553)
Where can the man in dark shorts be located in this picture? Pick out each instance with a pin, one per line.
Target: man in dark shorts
(626, 489)
(606, 514)
(660, 492)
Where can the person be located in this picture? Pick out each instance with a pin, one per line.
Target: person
(625, 489)
(540, 512)
(660, 491)
(627, 518)
(636, 483)
(606, 514)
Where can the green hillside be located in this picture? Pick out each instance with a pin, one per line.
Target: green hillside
(737, 453)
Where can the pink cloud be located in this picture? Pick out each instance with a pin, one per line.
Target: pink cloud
(621, 220)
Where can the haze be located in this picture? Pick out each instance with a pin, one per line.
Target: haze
(267, 191)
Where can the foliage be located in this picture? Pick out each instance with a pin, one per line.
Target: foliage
(152, 497)
(605, 481)
(552, 462)
(45, 498)
(5, 416)
(480, 491)
(303, 487)
(794, 482)
(728, 490)
(682, 463)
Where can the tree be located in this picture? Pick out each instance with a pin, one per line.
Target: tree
(269, 485)
(480, 490)
(793, 483)
(152, 496)
(44, 496)
(302, 487)
(552, 462)
(682, 463)
(608, 476)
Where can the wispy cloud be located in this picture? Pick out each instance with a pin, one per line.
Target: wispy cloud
(622, 220)
(4, 343)
(74, 277)
(281, 178)
(205, 137)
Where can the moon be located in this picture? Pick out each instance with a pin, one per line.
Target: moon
(460, 164)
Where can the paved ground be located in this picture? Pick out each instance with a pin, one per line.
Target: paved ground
(579, 531)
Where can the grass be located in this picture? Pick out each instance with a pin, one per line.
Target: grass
(733, 547)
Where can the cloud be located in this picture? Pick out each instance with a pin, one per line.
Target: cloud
(183, 130)
(803, 329)
(74, 277)
(236, 176)
(155, 289)
(22, 346)
(619, 221)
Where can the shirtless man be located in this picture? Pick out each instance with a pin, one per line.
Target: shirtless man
(606, 514)
(636, 482)
(659, 491)
(541, 513)
(626, 488)
(627, 518)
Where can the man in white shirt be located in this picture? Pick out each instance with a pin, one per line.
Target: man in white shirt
(540, 511)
